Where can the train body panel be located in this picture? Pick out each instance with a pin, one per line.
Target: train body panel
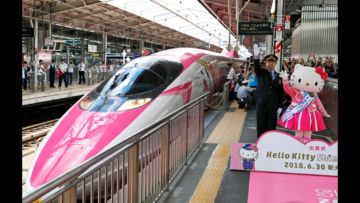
(102, 118)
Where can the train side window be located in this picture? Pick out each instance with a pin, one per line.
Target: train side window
(171, 69)
(161, 71)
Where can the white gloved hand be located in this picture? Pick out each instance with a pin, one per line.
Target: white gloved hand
(284, 75)
(328, 116)
(279, 112)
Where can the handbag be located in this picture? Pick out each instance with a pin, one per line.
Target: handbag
(59, 73)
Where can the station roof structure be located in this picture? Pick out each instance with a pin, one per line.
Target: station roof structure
(100, 16)
(185, 23)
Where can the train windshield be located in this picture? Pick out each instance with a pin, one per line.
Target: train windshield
(130, 81)
(131, 86)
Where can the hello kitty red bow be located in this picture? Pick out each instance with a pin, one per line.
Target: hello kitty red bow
(321, 72)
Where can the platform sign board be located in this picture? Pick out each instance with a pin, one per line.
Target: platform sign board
(278, 29)
(255, 28)
(287, 22)
(276, 151)
(114, 55)
(49, 42)
(45, 56)
(92, 48)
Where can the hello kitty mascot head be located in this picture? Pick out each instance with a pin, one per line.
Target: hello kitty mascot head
(304, 115)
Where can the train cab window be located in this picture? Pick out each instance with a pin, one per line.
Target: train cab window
(130, 81)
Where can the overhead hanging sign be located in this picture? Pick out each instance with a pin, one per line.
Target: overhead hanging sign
(255, 28)
(72, 42)
(276, 151)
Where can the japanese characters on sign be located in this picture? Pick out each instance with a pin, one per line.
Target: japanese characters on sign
(255, 28)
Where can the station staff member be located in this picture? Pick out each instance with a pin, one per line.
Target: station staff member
(269, 94)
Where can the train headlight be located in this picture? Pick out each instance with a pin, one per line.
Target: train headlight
(133, 103)
(85, 103)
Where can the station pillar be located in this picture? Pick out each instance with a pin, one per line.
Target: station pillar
(279, 33)
(141, 47)
(104, 43)
(36, 48)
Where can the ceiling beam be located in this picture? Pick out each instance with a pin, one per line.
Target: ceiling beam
(80, 6)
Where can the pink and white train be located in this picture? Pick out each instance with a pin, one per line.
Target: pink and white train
(139, 93)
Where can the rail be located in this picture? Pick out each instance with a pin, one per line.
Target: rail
(139, 169)
(32, 132)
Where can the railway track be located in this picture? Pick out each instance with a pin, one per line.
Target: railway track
(32, 135)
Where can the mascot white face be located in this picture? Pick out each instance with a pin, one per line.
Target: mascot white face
(306, 79)
(248, 153)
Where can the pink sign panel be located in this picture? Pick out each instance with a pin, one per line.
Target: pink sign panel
(290, 188)
(276, 151)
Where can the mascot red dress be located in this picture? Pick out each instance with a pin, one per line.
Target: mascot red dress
(304, 115)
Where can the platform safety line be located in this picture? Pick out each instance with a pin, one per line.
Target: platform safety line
(228, 129)
(209, 184)
(226, 133)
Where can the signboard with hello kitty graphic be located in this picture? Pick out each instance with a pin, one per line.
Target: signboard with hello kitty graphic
(276, 151)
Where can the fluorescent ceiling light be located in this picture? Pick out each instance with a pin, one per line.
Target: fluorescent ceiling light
(185, 16)
(272, 7)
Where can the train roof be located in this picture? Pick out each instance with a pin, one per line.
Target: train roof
(179, 52)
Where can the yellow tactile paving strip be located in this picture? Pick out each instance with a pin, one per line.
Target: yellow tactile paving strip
(226, 133)
(228, 129)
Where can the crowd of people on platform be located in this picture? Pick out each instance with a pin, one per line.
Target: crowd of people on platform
(47, 72)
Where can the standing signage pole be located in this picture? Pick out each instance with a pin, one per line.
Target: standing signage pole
(279, 32)
(229, 13)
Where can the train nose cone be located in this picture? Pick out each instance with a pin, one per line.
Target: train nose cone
(79, 136)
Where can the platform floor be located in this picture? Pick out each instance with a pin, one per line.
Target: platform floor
(50, 94)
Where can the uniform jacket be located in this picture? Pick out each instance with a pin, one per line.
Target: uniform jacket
(268, 91)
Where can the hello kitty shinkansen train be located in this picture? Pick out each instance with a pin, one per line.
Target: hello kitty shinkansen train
(134, 96)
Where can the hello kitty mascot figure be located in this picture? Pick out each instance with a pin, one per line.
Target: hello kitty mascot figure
(304, 115)
(248, 153)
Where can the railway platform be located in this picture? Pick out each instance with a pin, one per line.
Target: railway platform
(57, 93)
